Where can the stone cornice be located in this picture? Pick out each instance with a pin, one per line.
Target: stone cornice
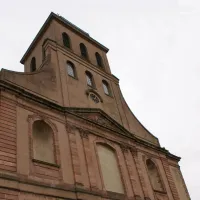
(22, 93)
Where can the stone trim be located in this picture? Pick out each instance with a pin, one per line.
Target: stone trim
(19, 182)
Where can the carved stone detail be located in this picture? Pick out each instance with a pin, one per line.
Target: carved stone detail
(101, 120)
(124, 148)
(134, 151)
(70, 128)
(83, 134)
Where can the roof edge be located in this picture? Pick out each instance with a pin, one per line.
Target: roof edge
(67, 23)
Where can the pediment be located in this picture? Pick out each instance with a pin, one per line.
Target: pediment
(100, 118)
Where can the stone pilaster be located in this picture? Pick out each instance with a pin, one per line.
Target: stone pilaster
(74, 153)
(89, 160)
(138, 167)
(127, 154)
(170, 179)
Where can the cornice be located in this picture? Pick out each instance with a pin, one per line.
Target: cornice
(22, 93)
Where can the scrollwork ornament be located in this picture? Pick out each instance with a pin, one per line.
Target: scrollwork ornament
(124, 148)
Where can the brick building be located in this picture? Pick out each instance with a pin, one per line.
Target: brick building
(66, 131)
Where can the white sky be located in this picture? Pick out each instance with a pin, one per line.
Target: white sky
(154, 50)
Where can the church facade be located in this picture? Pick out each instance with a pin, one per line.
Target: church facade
(66, 131)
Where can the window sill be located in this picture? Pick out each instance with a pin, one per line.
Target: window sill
(73, 77)
(45, 163)
(92, 87)
(116, 195)
(162, 192)
(109, 95)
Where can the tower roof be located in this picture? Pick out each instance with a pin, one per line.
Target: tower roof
(66, 23)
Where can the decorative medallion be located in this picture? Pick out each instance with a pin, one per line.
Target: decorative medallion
(94, 98)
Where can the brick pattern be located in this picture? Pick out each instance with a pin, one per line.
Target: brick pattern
(126, 153)
(138, 167)
(75, 156)
(45, 171)
(170, 179)
(8, 194)
(7, 136)
(89, 160)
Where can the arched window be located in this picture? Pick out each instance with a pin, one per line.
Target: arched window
(99, 59)
(89, 79)
(43, 145)
(66, 40)
(33, 65)
(83, 50)
(154, 176)
(106, 87)
(109, 169)
(71, 69)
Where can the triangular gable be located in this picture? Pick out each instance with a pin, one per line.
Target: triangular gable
(99, 117)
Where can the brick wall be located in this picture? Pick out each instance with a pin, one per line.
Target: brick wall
(7, 136)
(8, 194)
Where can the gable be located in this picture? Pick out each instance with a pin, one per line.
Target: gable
(100, 118)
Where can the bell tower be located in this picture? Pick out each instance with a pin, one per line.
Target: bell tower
(66, 131)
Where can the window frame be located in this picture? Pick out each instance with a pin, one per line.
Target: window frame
(66, 38)
(56, 151)
(99, 60)
(33, 67)
(73, 68)
(111, 147)
(84, 51)
(106, 84)
(159, 174)
(90, 76)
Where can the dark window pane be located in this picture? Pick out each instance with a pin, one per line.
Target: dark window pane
(83, 50)
(99, 59)
(33, 65)
(66, 40)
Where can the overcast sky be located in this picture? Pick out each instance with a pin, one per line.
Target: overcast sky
(154, 51)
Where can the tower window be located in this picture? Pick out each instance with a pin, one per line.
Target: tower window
(71, 69)
(99, 59)
(43, 54)
(154, 176)
(66, 40)
(109, 169)
(83, 50)
(33, 65)
(43, 145)
(106, 87)
(89, 79)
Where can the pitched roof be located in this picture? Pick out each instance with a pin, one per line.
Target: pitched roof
(66, 23)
